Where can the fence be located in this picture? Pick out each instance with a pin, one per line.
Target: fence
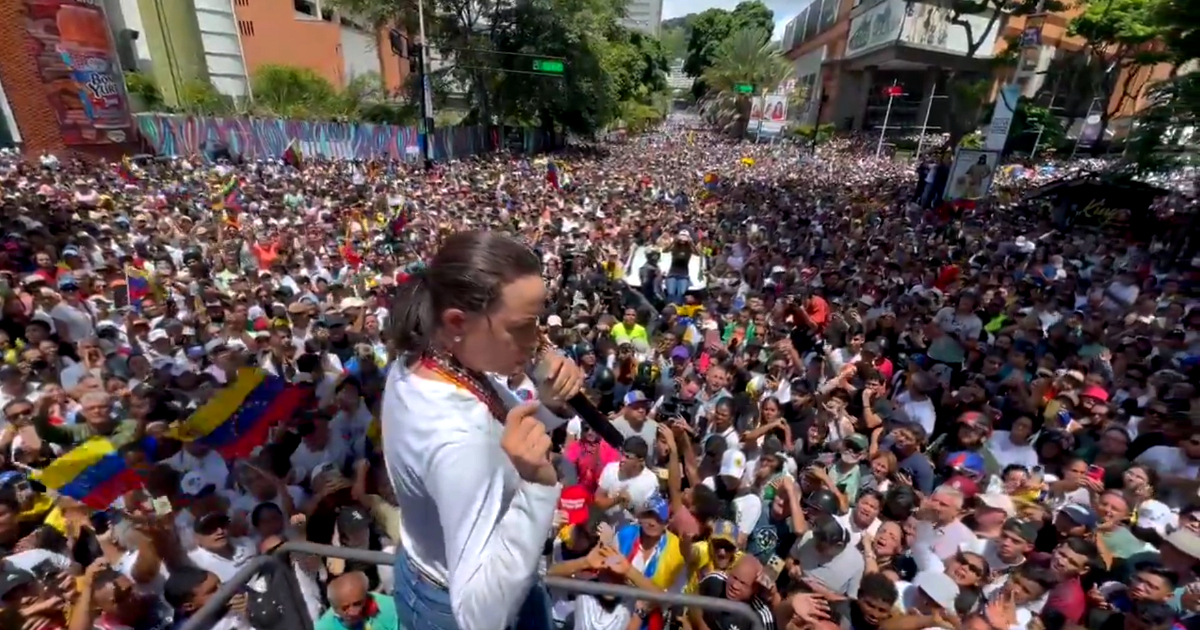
(292, 613)
(262, 138)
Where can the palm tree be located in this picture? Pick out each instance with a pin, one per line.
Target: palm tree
(747, 57)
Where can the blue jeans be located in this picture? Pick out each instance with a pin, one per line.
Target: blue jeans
(677, 287)
(422, 604)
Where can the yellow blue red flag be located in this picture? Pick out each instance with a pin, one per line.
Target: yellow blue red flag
(239, 418)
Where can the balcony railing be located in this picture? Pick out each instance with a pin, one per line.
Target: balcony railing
(292, 599)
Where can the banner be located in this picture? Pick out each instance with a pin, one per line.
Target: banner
(1002, 116)
(971, 175)
(73, 50)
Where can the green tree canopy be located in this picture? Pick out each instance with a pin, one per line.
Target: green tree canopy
(745, 57)
(712, 27)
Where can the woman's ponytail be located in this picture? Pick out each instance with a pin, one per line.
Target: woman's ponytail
(413, 317)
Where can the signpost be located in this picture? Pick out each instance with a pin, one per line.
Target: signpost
(549, 66)
(891, 91)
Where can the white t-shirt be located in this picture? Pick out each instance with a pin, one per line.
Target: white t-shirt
(1007, 453)
(79, 325)
(211, 466)
(352, 428)
(224, 568)
(920, 411)
(590, 615)
(305, 460)
(640, 488)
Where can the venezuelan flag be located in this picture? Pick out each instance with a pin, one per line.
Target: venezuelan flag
(95, 472)
(139, 284)
(239, 418)
(552, 174)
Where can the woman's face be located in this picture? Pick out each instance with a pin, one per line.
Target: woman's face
(879, 468)
(888, 538)
(1135, 479)
(504, 340)
(770, 410)
(1075, 471)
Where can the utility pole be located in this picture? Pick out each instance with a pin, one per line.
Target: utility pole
(426, 88)
(892, 92)
(925, 122)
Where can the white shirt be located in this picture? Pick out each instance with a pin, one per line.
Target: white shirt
(590, 615)
(352, 428)
(484, 527)
(640, 488)
(919, 411)
(1007, 453)
(224, 568)
(212, 466)
(304, 460)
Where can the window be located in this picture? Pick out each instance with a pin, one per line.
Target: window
(246, 28)
(305, 7)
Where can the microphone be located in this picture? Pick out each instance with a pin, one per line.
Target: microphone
(582, 408)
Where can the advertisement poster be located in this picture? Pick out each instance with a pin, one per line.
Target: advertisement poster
(971, 175)
(73, 49)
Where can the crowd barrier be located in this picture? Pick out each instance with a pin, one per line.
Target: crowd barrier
(294, 616)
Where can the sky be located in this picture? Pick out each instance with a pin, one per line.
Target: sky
(784, 10)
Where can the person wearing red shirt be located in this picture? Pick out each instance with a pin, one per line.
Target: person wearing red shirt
(1073, 558)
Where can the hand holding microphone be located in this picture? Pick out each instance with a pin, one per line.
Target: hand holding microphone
(563, 380)
(527, 445)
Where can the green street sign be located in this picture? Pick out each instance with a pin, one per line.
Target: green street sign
(744, 88)
(550, 66)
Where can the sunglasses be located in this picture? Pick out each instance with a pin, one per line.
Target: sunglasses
(977, 569)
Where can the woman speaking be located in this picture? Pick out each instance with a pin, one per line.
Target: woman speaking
(469, 463)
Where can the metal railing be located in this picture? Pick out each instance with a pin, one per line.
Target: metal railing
(293, 599)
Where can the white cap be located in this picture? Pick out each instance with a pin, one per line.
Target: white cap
(194, 482)
(554, 320)
(733, 464)
(1157, 516)
(158, 334)
(998, 501)
(351, 302)
(939, 587)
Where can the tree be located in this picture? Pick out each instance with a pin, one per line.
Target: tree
(1174, 103)
(712, 27)
(965, 115)
(488, 46)
(746, 57)
(1123, 44)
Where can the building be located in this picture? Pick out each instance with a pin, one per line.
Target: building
(848, 53)
(179, 43)
(644, 15)
(677, 79)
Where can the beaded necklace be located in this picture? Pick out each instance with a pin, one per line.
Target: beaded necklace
(446, 367)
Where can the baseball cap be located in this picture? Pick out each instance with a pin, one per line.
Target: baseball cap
(858, 441)
(1157, 516)
(733, 464)
(1027, 530)
(195, 485)
(937, 586)
(574, 502)
(1096, 392)
(680, 352)
(554, 320)
(658, 506)
(210, 523)
(1186, 541)
(11, 578)
(1080, 514)
(965, 485)
(634, 397)
(968, 463)
(353, 519)
(724, 530)
(997, 501)
(977, 420)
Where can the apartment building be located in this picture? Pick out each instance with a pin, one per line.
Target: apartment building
(644, 15)
(225, 41)
(848, 53)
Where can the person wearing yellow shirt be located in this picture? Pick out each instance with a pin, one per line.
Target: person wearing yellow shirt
(718, 553)
(629, 331)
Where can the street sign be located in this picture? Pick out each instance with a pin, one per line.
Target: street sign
(744, 88)
(549, 66)
(893, 91)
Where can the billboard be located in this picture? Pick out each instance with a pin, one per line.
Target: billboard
(73, 50)
(971, 175)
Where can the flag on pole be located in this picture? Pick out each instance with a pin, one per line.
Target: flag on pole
(139, 284)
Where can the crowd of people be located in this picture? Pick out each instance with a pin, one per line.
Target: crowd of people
(877, 412)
